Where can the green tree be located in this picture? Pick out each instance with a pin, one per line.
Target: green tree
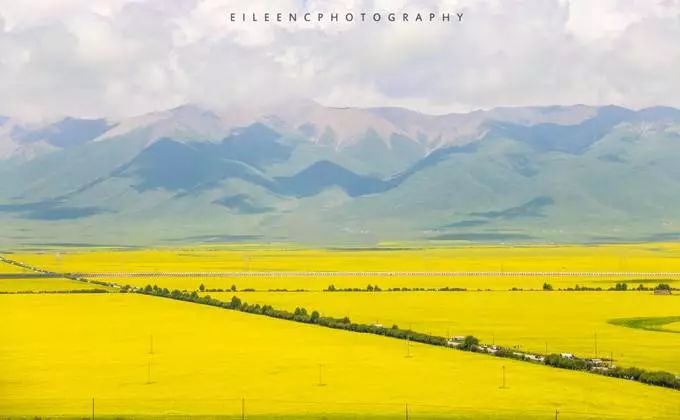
(235, 302)
(469, 343)
(547, 286)
(201, 287)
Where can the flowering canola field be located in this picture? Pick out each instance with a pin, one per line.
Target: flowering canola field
(664, 257)
(145, 356)
(574, 322)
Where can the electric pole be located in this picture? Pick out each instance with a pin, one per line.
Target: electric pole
(321, 375)
(408, 347)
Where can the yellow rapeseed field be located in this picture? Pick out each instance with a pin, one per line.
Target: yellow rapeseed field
(6, 268)
(617, 257)
(574, 322)
(44, 284)
(248, 258)
(140, 355)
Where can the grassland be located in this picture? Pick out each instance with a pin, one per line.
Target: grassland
(57, 352)
(660, 323)
(574, 322)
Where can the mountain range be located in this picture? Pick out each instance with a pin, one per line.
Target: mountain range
(303, 172)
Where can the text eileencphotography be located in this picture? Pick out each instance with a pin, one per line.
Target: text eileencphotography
(345, 17)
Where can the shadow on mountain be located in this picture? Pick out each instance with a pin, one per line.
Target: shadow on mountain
(482, 237)
(466, 224)
(432, 159)
(242, 204)
(69, 132)
(175, 166)
(50, 210)
(257, 145)
(610, 157)
(325, 174)
(220, 238)
(530, 209)
(574, 139)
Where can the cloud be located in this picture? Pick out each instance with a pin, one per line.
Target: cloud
(120, 58)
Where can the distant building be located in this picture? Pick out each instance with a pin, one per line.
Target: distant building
(662, 291)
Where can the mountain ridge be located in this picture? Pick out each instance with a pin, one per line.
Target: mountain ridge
(508, 174)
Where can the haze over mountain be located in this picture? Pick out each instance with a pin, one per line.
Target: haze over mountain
(309, 173)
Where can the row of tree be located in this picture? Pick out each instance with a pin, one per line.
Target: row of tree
(659, 378)
(617, 287)
(469, 343)
(376, 288)
(29, 292)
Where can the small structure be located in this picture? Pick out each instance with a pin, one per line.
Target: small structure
(534, 358)
(600, 368)
(567, 355)
(662, 291)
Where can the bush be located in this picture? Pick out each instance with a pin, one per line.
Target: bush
(469, 343)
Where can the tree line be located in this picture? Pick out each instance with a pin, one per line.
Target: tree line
(76, 291)
(469, 343)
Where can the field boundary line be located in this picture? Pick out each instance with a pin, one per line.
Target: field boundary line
(654, 274)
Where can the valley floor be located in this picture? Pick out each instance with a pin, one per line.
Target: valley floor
(132, 355)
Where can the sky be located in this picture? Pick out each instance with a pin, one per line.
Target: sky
(119, 58)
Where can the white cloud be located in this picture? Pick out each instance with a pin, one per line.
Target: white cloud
(119, 58)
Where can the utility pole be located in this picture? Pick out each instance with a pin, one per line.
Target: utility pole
(546, 348)
(151, 344)
(408, 346)
(321, 375)
(557, 413)
(148, 373)
(92, 408)
(243, 408)
(406, 411)
(503, 377)
(596, 344)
